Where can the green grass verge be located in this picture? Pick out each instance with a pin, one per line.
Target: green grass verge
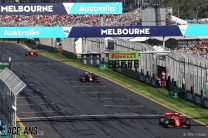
(159, 95)
(21, 131)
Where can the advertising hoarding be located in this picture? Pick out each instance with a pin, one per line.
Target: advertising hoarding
(123, 55)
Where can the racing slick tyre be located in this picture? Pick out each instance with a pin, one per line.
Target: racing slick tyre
(82, 78)
(187, 123)
(166, 123)
(161, 121)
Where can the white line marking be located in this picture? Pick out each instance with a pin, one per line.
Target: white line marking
(123, 106)
(36, 104)
(41, 112)
(31, 96)
(71, 81)
(109, 99)
(100, 92)
(28, 90)
(88, 86)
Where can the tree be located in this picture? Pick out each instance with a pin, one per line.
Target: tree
(188, 8)
(198, 6)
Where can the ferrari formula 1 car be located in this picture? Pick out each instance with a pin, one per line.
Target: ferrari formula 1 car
(89, 77)
(174, 120)
(31, 53)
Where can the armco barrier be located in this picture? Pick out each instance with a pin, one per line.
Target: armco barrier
(147, 80)
(205, 102)
(154, 83)
(48, 48)
(69, 54)
(181, 93)
(198, 99)
(189, 96)
(141, 77)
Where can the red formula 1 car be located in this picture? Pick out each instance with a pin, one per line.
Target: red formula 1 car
(175, 120)
(89, 77)
(31, 53)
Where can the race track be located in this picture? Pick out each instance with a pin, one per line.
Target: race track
(53, 89)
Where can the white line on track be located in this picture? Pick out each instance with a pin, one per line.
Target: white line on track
(123, 106)
(109, 99)
(100, 92)
(31, 96)
(88, 86)
(36, 104)
(41, 112)
(28, 90)
(70, 81)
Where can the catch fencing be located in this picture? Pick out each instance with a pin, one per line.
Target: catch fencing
(10, 86)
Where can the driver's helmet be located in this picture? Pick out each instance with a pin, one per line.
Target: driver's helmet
(177, 114)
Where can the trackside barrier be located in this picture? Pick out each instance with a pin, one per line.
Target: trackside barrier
(10, 86)
(138, 76)
(205, 102)
(198, 99)
(189, 96)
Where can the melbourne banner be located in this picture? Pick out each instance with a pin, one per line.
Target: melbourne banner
(113, 31)
(60, 8)
(124, 55)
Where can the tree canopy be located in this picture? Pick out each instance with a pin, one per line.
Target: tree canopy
(188, 8)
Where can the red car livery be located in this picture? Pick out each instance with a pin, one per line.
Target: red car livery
(174, 120)
(31, 53)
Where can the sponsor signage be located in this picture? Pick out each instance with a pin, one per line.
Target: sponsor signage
(124, 55)
(107, 31)
(60, 8)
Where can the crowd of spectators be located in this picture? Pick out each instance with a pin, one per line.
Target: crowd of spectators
(200, 50)
(130, 18)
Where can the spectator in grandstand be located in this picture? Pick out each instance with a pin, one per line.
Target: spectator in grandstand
(126, 19)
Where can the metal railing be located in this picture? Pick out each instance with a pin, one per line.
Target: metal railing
(10, 86)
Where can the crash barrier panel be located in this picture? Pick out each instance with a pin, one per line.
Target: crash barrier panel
(10, 86)
(138, 76)
(6, 103)
(205, 102)
(198, 99)
(189, 96)
(69, 54)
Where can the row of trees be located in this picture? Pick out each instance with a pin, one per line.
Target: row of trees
(188, 8)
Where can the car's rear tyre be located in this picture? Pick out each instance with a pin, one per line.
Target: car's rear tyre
(161, 121)
(166, 123)
(187, 122)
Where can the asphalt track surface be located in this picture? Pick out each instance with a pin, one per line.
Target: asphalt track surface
(53, 89)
